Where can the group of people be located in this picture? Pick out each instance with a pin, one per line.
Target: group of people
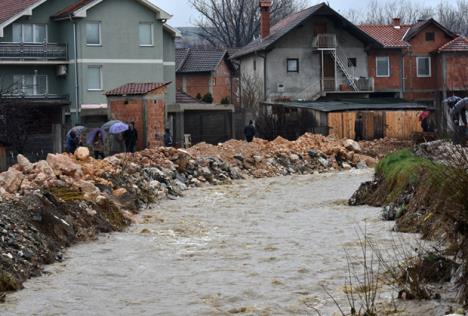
(458, 109)
(102, 143)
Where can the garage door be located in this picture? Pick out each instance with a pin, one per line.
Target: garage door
(212, 127)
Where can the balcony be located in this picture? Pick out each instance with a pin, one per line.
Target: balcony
(45, 52)
(357, 85)
(325, 41)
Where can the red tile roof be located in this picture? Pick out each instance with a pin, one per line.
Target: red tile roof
(135, 89)
(388, 35)
(459, 44)
(10, 8)
(71, 8)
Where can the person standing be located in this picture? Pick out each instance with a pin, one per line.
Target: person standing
(117, 144)
(131, 137)
(249, 132)
(72, 142)
(98, 146)
(460, 120)
(168, 142)
(359, 128)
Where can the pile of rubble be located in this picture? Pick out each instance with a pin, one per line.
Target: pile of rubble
(49, 205)
(444, 152)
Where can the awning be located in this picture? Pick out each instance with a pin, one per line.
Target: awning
(354, 105)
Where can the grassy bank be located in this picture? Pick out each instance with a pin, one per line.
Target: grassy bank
(428, 197)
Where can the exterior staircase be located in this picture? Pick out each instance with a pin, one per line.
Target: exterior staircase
(344, 69)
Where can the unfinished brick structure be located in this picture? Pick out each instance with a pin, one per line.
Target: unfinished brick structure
(142, 103)
(426, 61)
(202, 71)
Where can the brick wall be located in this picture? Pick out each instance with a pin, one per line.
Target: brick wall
(200, 83)
(132, 109)
(222, 80)
(457, 71)
(393, 82)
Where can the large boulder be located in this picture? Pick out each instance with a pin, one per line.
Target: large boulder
(82, 153)
(63, 165)
(11, 180)
(350, 144)
(24, 164)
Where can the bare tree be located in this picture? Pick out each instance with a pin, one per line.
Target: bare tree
(452, 16)
(234, 23)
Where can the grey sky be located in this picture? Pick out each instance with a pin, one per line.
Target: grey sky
(184, 15)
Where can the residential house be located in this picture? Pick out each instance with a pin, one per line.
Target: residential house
(424, 62)
(61, 55)
(312, 53)
(206, 70)
(317, 56)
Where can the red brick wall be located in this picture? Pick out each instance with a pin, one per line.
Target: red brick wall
(200, 83)
(386, 83)
(222, 87)
(131, 109)
(195, 84)
(457, 71)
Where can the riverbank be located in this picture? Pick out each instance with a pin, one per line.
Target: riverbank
(426, 191)
(50, 205)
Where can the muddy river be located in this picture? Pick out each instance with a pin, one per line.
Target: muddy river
(258, 247)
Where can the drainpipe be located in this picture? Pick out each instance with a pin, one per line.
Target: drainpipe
(77, 84)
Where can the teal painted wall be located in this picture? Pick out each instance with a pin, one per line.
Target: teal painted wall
(120, 41)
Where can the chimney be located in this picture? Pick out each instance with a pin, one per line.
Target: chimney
(265, 6)
(396, 23)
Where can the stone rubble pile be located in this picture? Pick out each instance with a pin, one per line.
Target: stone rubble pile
(443, 152)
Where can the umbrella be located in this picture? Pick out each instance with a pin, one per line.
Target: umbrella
(118, 128)
(452, 100)
(424, 115)
(462, 104)
(77, 129)
(92, 135)
(109, 124)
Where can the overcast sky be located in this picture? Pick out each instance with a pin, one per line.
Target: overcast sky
(184, 15)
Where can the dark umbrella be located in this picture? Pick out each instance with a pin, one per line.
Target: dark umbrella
(92, 135)
(109, 124)
(451, 101)
(77, 129)
(462, 104)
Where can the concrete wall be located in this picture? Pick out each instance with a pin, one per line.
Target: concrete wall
(298, 45)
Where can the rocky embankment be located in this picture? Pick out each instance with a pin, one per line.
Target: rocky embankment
(425, 190)
(51, 204)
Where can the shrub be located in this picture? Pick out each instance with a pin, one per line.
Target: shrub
(225, 101)
(208, 98)
(199, 96)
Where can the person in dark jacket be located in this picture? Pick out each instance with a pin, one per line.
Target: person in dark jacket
(359, 128)
(460, 120)
(249, 132)
(131, 137)
(168, 138)
(72, 143)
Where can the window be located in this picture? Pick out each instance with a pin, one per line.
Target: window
(146, 34)
(423, 65)
(94, 78)
(293, 65)
(30, 84)
(382, 67)
(93, 33)
(29, 33)
(430, 36)
(255, 65)
(352, 62)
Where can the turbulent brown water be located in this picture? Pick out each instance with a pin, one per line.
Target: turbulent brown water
(257, 247)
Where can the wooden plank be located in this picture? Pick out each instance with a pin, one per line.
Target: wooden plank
(335, 123)
(402, 124)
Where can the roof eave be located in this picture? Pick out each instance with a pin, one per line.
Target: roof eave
(25, 12)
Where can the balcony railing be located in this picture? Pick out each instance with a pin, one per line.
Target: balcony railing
(40, 51)
(325, 41)
(332, 85)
